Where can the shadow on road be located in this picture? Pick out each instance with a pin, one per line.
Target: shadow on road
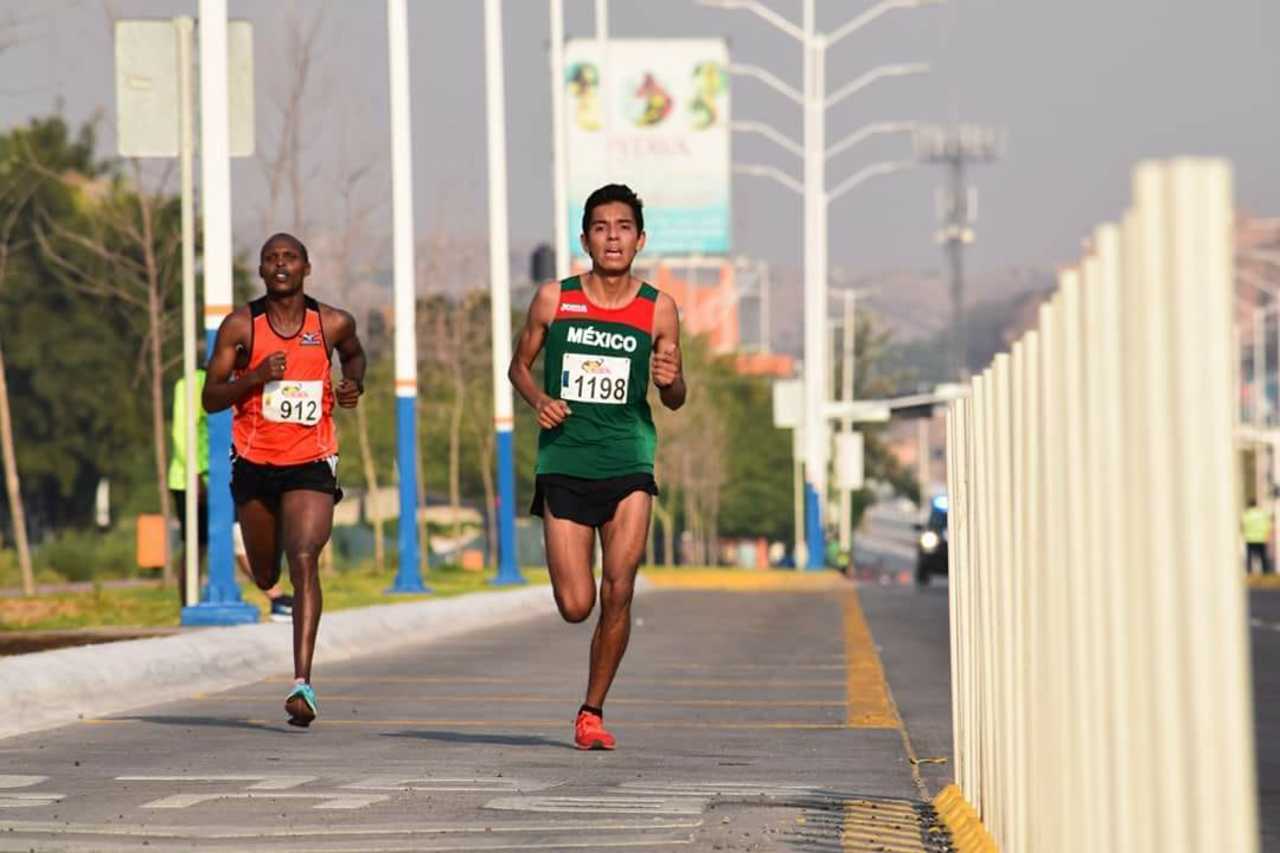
(212, 722)
(482, 737)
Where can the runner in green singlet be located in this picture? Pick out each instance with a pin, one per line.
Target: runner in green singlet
(606, 336)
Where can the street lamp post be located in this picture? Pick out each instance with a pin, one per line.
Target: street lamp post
(559, 163)
(408, 578)
(500, 294)
(815, 102)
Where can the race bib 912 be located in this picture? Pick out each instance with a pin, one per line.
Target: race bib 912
(292, 401)
(595, 378)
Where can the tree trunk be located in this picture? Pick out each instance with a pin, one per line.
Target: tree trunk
(371, 490)
(155, 321)
(455, 441)
(17, 513)
(648, 537)
(424, 534)
(690, 518)
(490, 506)
(668, 533)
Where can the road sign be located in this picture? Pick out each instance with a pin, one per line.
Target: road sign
(861, 411)
(849, 456)
(788, 403)
(147, 96)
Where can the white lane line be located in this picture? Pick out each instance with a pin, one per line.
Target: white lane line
(575, 844)
(1266, 626)
(261, 783)
(327, 801)
(424, 783)
(222, 833)
(711, 790)
(12, 781)
(544, 835)
(29, 800)
(596, 805)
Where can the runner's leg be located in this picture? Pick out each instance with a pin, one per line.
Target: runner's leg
(623, 540)
(569, 547)
(307, 521)
(260, 527)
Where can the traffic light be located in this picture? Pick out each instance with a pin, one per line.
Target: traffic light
(542, 263)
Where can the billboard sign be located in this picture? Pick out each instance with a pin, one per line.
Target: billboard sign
(652, 114)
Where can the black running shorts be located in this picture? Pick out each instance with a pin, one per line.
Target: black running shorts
(589, 502)
(251, 481)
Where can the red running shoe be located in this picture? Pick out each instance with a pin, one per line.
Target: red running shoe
(589, 732)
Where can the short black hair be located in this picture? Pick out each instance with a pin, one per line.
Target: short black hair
(283, 235)
(611, 193)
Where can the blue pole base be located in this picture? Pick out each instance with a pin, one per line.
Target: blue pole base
(814, 538)
(508, 571)
(227, 613)
(408, 579)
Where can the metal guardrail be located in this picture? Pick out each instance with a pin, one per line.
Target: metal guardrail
(1101, 690)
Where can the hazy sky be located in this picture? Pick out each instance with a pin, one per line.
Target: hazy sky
(1083, 89)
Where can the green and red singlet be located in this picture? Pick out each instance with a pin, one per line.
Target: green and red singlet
(597, 361)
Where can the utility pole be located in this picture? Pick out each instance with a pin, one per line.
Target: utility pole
(814, 100)
(955, 148)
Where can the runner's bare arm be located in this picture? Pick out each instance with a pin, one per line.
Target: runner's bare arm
(666, 364)
(341, 326)
(542, 310)
(234, 338)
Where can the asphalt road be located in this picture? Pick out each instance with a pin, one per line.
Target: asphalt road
(736, 714)
(1264, 613)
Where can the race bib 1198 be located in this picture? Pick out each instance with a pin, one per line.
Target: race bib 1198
(595, 378)
(292, 401)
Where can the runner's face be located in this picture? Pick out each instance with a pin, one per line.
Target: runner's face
(282, 268)
(612, 239)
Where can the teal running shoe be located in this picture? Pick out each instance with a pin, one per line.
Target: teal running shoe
(301, 706)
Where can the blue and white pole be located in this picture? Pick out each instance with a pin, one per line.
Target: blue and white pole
(220, 602)
(815, 292)
(408, 577)
(500, 293)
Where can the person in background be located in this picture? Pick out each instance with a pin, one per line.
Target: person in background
(1255, 524)
(281, 603)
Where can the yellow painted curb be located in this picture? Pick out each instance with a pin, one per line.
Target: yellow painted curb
(1262, 581)
(968, 835)
(866, 690)
(745, 580)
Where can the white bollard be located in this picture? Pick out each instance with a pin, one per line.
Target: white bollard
(1099, 641)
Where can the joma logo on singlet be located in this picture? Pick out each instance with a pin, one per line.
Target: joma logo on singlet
(591, 337)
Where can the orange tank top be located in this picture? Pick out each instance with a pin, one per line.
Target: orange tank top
(290, 421)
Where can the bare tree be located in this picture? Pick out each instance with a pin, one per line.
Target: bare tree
(454, 274)
(18, 195)
(352, 258)
(115, 253)
(691, 462)
(479, 408)
(284, 168)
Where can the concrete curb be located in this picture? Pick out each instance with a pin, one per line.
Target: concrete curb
(53, 688)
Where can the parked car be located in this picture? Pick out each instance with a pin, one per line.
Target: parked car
(931, 542)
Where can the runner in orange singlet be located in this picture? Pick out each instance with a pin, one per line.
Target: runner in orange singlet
(272, 362)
